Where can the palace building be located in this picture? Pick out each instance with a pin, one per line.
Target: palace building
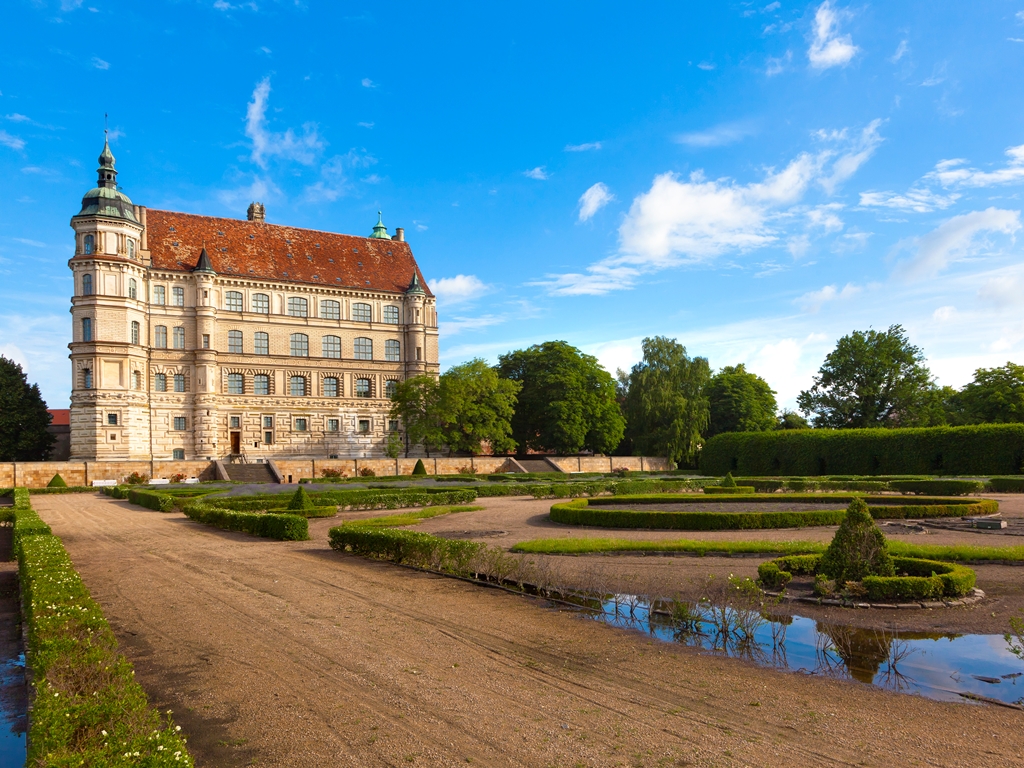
(198, 337)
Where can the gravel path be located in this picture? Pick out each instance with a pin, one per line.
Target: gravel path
(289, 654)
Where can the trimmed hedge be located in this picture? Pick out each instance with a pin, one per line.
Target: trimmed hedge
(1007, 484)
(312, 512)
(937, 487)
(151, 500)
(729, 489)
(975, 450)
(269, 525)
(406, 547)
(88, 709)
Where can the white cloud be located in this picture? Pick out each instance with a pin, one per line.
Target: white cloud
(776, 65)
(13, 142)
(1001, 292)
(949, 173)
(100, 63)
(538, 173)
(265, 144)
(1020, 16)
(257, 188)
(720, 135)
(334, 175)
(593, 200)
(70, 5)
(16, 118)
(917, 200)
(459, 324)
(771, 7)
(420, 226)
(944, 314)
(707, 66)
(825, 217)
(265, 50)
(815, 300)
(367, 83)
(26, 241)
(583, 147)
(598, 280)
(956, 239)
(850, 161)
(365, 125)
(458, 289)
(828, 47)
(901, 51)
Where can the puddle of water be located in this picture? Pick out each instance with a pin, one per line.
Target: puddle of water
(13, 718)
(938, 666)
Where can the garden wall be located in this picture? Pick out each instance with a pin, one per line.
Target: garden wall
(986, 449)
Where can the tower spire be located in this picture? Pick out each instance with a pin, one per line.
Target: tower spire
(379, 230)
(107, 172)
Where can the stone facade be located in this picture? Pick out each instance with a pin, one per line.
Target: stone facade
(197, 338)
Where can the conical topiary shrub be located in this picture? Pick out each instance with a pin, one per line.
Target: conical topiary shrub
(419, 469)
(300, 500)
(727, 481)
(858, 548)
(57, 482)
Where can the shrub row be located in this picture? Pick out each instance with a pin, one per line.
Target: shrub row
(1007, 484)
(975, 450)
(88, 709)
(735, 490)
(63, 489)
(405, 547)
(290, 527)
(937, 487)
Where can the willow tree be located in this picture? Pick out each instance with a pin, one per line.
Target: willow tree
(665, 401)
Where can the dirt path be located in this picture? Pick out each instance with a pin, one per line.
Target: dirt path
(289, 654)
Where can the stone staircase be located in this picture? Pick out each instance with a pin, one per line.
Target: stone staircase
(250, 473)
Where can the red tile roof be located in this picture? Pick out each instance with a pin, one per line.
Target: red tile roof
(61, 417)
(261, 251)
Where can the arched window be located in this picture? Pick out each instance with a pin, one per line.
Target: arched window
(330, 310)
(233, 301)
(362, 387)
(86, 329)
(131, 248)
(331, 346)
(261, 343)
(159, 295)
(136, 329)
(179, 338)
(391, 315)
(236, 384)
(361, 313)
(392, 351)
(179, 382)
(330, 387)
(261, 303)
(389, 388)
(297, 386)
(89, 244)
(160, 336)
(261, 384)
(363, 349)
(87, 378)
(133, 289)
(160, 382)
(299, 345)
(235, 342)
(298, 307)
(87, 285)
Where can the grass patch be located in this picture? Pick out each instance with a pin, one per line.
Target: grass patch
(410, 518)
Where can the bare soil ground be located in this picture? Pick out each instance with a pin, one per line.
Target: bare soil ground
(290, 654)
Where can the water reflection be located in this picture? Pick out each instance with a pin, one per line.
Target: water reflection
(947, 667)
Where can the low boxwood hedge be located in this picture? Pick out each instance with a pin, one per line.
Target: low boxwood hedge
(937, 487)
(735, 490)
(406, 547)
(1007, 484)
(290, 527)
(159, 502)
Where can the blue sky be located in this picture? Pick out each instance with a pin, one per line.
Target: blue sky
(753, 179)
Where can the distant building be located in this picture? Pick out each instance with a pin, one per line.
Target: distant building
(60, 428)
(198, 337)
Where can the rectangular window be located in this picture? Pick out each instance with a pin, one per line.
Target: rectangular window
(178, 297)
(261, 343)
(236, 385)
(393, 425)
(261, 303)
(235, 342)
(332, 425)
(392, 351)
(179, 338)
(268, 422)
(86, 329)
(330, 387)
(419, 353)
(236, 422)
(233, 301)
(364, 426)
(298, 307)
(268, 438)
(87, 283)
(160, 336)
(362, 387)
(87, 378)
(159, 295)
(112, 419)
(180, 423)
(206, 341)
(300, 425)
(330, 310)
(135, 332)
(136, 380)
(261, 384)
(361, 313)
(179, 382)
(363, 349)
(160, 382)
(297, 386)
(178, 454)
(391, 315)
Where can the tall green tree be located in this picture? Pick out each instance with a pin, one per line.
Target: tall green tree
(996, 396)
(740, 401)
(477, 406)
(791, 420)
(666, 402)
(417, 404)
(871, 379)
(567, 401)
(23, 417)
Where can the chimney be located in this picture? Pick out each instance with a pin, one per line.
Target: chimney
(399, 234)
(256, 212)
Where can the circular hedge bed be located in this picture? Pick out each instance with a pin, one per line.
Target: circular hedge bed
(595, 512)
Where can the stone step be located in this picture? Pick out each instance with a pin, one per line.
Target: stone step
(250, 473)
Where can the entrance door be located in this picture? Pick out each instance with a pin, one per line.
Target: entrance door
(236, 442)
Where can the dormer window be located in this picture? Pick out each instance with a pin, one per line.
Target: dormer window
(89, 244)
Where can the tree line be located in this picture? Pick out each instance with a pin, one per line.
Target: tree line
(552, 397)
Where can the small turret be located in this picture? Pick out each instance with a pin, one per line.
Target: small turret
(380, 232)
(204, 264)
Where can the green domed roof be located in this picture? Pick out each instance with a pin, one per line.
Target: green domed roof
(379, 230)
(106, 199)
